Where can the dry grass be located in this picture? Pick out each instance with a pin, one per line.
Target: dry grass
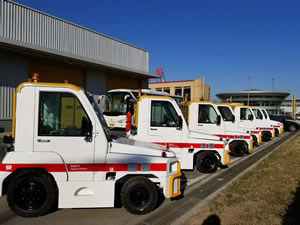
(268, 194)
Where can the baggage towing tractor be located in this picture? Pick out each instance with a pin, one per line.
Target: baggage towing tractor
(204, 117)
(229, 119)
(158, 119)
(245, 119)
(60, 155)
(263, 117)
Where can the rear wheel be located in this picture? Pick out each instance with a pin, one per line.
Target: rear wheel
(238, 148)
(292, 128)
(32, 193)
(139, 195)
(207, 162)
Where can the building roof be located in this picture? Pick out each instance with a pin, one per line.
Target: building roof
(45, 34)
(179, 81)
(255, 92)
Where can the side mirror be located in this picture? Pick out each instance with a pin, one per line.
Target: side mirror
(218, 120)
(250, 117)
(179, 123)
(86, 128)
(233, 118)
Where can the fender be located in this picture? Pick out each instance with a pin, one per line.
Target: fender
(51, 161)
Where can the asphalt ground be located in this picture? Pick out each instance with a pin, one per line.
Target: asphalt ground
(198, 188)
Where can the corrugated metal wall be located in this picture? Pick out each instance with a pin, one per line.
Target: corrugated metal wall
(26, 25)
(6, 102)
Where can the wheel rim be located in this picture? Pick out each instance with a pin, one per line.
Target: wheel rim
(140, 197)
(30, 195)
(208, 163)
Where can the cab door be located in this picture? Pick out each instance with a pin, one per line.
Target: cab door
(163, 124)
(61, 127)
(246, 118)
(207, 120)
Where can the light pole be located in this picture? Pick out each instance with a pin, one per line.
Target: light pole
(251, 75)
(273, 83)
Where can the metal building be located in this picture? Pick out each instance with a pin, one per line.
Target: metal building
(270, 100)
(32, 41)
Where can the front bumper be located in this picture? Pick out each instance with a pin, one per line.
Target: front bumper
(227, 157)
(281, 130)
(174, 183)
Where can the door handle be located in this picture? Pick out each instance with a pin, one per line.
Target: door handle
(200, 125)
(153, 128)
(43, 140)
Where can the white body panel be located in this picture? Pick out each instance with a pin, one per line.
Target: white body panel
(84, 168)
(246, 126)
(183, 142)
(86, 194)
(227, 130)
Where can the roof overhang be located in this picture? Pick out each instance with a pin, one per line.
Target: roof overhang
(28, 49)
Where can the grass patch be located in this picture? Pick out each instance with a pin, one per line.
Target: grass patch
(268, 194)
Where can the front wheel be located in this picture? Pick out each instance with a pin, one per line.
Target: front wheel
(207, 162)
(32, 194)
(139, 195)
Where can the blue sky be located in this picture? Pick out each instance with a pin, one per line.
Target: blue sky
(224, 41)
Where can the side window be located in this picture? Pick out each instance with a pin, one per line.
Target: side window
(225, 113)
(245, 114)
(60, 114)
(257, 114)
(163, 114)
(207, 114)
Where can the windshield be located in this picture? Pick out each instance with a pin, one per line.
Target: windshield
(99, 114)
(257, 114)
(226, 113)
(116, 103)
(265, 114)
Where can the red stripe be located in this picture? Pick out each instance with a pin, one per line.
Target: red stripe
(232, 136)
(187, 145)
(255, 132)
(158, 167)
(265, 128)
(81, 167)
(139, 167)
(48, 167)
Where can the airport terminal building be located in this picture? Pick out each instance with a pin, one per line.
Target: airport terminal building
(35, 42)
(270, 100)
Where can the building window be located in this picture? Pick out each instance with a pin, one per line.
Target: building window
(167, 90)
(187, 93)
(178, 91)
(158, 89)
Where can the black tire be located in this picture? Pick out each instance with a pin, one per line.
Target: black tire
(292, 128)
(207, 162)
(139, 195)
(32, 193)
(266, 136)
(276, 132)
(238, 149)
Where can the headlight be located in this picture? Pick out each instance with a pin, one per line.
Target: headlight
(173, 167)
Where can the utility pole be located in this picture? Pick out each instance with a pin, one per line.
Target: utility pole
(251, 75)
(273, 83)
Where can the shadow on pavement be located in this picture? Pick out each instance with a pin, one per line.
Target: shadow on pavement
(212, 220)
(292, 214)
